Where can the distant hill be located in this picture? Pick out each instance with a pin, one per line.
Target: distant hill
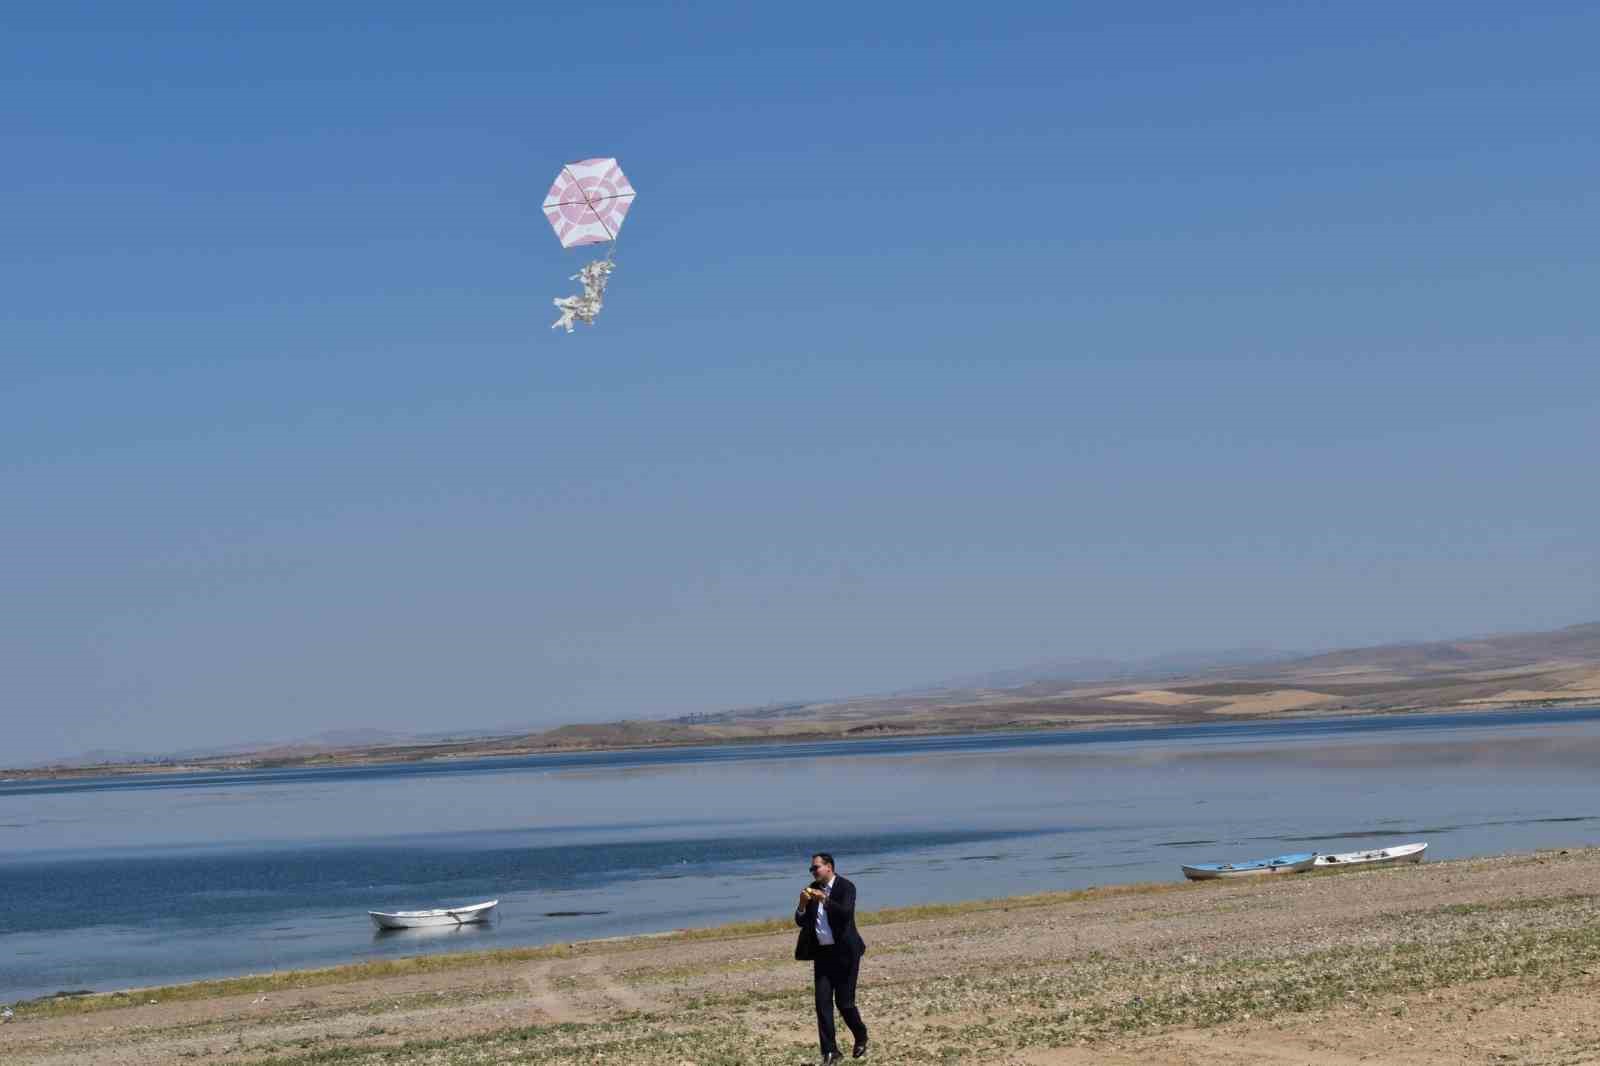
(1174, 664)
(1574, 644)
(1560, 667)
(1555, 668)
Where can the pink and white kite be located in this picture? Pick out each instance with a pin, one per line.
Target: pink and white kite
(588, 202)
(586, 205)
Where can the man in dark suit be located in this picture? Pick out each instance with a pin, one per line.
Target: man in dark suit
(826, 916)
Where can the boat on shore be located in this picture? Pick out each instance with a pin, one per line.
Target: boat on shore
(1280, 864)
(1391, 856)
(477, 912)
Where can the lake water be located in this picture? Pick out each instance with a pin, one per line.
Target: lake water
(120, 882)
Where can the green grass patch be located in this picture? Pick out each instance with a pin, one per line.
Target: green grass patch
(1516, 905)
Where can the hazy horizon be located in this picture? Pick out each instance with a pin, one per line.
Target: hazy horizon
(1040, 669)
(925, 684)
(940, 342)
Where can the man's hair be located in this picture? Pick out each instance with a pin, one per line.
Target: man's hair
(825, 857)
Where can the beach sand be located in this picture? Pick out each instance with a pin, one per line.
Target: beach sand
(1476, 961)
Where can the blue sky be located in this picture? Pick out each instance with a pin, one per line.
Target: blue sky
(940, 340)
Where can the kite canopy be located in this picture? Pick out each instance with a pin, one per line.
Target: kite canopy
(588, 202)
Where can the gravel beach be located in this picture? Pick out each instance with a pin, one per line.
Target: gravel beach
(1475, 961)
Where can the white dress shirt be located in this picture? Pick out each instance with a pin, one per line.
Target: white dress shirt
(824, 930)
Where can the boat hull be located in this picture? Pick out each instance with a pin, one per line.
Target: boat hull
(1282, 864)
(1392, 856)
(478, 912)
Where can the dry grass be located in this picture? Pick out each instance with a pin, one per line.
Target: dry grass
(1091, 1000)
(994, 981)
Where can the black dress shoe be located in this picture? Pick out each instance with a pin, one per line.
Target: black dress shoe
(860, 1050)
(831, 1057)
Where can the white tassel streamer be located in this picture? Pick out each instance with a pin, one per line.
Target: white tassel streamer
(585, 307)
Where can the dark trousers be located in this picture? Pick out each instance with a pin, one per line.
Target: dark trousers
(833, 972)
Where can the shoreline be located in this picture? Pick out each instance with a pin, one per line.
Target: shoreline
(1319, 966)
(91, 1000)
(401, 755)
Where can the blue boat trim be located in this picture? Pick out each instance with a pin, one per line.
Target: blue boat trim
(1257, 864)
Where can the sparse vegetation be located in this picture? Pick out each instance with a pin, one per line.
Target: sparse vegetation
(1102, 968)
(1554, 669)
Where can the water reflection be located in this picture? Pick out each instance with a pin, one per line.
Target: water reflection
(464, 932)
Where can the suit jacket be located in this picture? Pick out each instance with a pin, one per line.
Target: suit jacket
(841, 904)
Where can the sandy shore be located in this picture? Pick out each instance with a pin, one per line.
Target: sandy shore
(1478, 961)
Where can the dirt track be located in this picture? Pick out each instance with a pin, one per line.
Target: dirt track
(1483, 961)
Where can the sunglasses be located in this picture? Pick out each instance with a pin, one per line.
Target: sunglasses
(814, 869)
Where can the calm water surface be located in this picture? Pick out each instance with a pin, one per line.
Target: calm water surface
(120, 882)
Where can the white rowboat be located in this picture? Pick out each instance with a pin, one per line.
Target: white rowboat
(1377, 857)
(478, 912)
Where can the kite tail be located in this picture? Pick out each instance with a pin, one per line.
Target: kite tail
(585, 307)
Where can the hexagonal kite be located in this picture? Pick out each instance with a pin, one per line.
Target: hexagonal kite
(586, 205)
(588, 202)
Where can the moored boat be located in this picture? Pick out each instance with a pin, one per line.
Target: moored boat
(477, 912)
(1391, 856)
(1280, 864)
